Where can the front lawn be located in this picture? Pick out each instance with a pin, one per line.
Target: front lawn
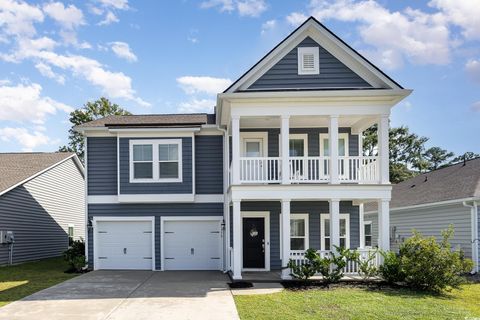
(24, 279)
(358, 303)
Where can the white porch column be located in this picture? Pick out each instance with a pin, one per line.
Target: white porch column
(383, 141)
(361, 221)
(284, 138)
(360, 143)
(384, 224)
(237, 241)
(334, 223)
(235, 150)
(285, 238)
(333, 149)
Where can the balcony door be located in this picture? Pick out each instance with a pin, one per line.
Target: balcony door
(253, 166)
(342, 152)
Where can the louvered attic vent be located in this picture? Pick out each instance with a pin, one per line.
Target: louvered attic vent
(308, 60)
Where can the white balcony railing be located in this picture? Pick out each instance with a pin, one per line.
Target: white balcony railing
(308, 169)
(352, 266)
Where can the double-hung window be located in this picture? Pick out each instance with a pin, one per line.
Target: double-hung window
(298, 231)
(367, 225)
(344, 231)
(156, 160)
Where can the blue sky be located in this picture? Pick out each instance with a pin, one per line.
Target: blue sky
(173, 56)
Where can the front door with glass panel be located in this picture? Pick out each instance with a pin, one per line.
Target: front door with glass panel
(253, 169)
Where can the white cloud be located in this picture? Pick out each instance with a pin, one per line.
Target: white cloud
(110, 18)
(18, 18)
(27, 140)
(476, 106)
(249, 8)
(122, 50)
(203, 84)
(465, 14)
(116, 4)
(25, 103)
(296, 18)
(47, 71)
(68, 17)
(472, 67)
(197, 106)
(268, 25)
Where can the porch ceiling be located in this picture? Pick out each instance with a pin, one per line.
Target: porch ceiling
(305, 121)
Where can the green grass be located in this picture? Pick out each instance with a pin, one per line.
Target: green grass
(356, 303)
(24, 279)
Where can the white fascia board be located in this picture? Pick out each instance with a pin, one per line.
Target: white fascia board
(198, 198)
(155, 134)
(429, 205)
(155, 198)
(310, 192)
(136, 130)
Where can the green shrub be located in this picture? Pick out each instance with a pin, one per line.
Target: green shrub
(75, 256)
(308, 268)
(429, 265)
(366, 268)
(332, 266)
(391, 269)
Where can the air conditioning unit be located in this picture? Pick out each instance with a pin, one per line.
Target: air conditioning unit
(6, 237)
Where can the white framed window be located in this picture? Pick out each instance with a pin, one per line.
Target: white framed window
(325, 231)
(156, 160)
(308, 60)
(299, 232)
(71, 231)
(368, 233)
(298, 144)
(342, 145)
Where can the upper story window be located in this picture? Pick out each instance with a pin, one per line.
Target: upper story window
(308, 60)
(342, 145)
(156, 160)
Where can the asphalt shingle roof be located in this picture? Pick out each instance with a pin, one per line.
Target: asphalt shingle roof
(458, 181)
(17, 167)
(152, 120)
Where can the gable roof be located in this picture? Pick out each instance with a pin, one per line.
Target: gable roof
(18, 168)
(358, 62)
(151, 120)
(455, 182)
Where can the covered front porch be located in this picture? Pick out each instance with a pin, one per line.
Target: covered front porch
(263, 235)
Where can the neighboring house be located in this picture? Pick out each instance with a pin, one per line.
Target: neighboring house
(42, 202)
(277, 169)
(430, 203)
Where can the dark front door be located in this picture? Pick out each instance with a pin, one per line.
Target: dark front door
(254, 243)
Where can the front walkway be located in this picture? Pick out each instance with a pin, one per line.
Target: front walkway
(129, 295)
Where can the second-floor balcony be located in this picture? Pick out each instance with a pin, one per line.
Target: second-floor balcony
(314, 169)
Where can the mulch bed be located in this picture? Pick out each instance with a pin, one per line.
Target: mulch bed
(295, 285)
(240, 284)
(475, 278)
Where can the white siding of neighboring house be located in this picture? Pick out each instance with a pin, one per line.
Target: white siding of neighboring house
(429, 222)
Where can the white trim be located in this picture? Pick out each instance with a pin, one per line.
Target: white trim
(188, 218)
(73, 156)
(118, 165)
(155, 143)
(305, 217)
(324, 136)
(193, 165)
(209, 198)
(156, 130)
(365, 235)
(85, 200)
(266, 216)
(430, 204)
(301, 52)
(325, 216)
(156, 134)
(303, 136)
(254, 135)
(101, 218)
(155, 198)
(102, 199)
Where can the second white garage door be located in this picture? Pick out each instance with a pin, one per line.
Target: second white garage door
(192, 245)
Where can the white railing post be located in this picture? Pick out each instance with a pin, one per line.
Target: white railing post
(361, 219)
(285, 238)
(334, 223)
(235, 150)
(284, 138)
(383, 153)
(237, 241)
(384, 224)
(333, 149)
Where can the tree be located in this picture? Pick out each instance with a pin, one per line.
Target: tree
(466, 156)
(436, 157)
(90, 111)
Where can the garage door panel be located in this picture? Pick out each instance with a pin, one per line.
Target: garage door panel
(192, 245)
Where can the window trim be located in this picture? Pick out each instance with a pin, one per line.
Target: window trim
(156, 160)
(325, 216)
(340, 136)
(294, 136)
(70, 225)
(365, 235)
(305, 217)
(301, 51)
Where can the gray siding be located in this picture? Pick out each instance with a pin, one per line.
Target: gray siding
(209, 164)
(39, 212)
(155, 188)
(429, 222)
(333, 73)
(102, 166)
(314, 209)
(156, 210)
(313, 140)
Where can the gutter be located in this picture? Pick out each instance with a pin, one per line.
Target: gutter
(475, 236)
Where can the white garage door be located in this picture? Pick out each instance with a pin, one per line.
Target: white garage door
(192, 245)
(124, 245)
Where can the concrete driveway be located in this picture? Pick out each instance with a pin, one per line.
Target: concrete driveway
(130, 295)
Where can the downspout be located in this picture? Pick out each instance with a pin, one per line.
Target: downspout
(85, 155)
(474, 230)
(226, 207)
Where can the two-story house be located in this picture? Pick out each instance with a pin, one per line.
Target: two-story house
(277, 169)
